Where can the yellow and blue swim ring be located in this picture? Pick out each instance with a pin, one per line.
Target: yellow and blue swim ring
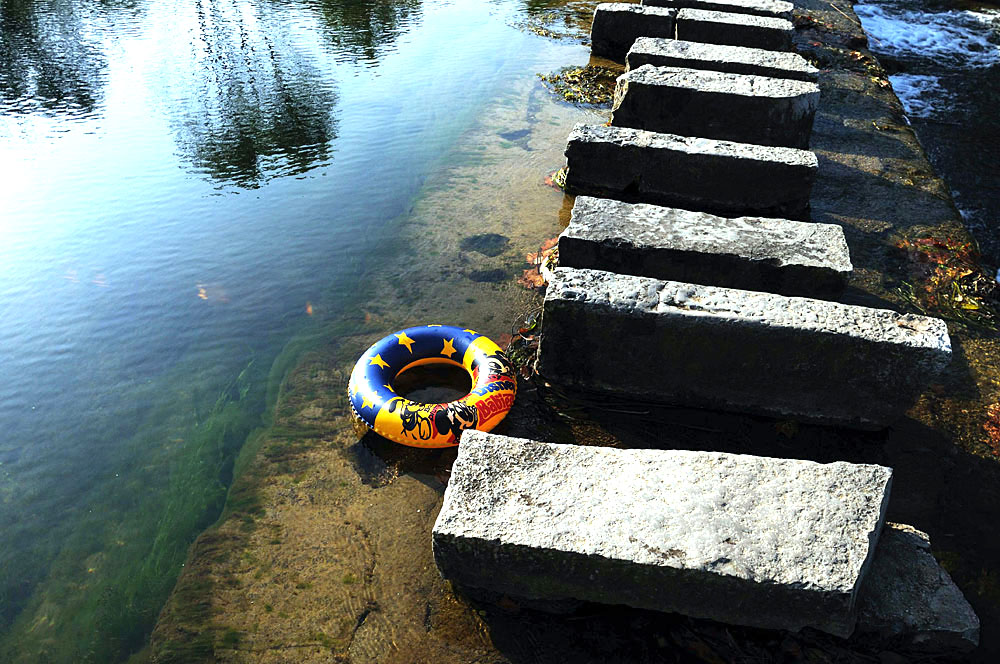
(376, 404)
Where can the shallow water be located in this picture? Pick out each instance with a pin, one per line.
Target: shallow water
(944, 61)
(189, 191)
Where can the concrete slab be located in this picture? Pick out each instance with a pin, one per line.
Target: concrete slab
(752, 253)
(704, 174)
(713, 27)
(908, 601)
(774, 543)
(775, 8)
(719, 57)
(617, 25)
(737, 350)
(711, 104)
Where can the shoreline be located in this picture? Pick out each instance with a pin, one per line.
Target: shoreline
(333, 535)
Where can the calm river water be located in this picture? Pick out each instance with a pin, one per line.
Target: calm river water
(187, 188)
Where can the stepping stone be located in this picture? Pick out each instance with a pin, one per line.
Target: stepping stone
(907, 600)
(732, 107)
(703, 174)
(617, 25)
(736, 350)
(719, 57)
(752, 253)
(774, 8)
(711, 27)
(774, 543)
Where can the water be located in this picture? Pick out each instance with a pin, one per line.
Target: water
(944, 61)
(189, 189)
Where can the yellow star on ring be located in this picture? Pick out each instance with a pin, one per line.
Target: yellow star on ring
(366, 403)
(449, 348)
(379, 361)
(389, 387)
(470, 331)
(405, 341)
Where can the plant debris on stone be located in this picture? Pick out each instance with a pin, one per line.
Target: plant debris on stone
(541, 261)
(557, 179)
(992, 428)
(947, 280)
(522, 342)
(587, 86)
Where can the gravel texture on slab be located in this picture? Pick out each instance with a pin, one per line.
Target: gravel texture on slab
(775, 8)
(909, 601)
(709, 175)
(618, 24)
(752, 253)
(719, 57)
(713, 27)
(733, 107)
(758, 541)
(738, 350)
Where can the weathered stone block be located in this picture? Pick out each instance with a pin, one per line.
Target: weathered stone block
(909, 601)
(711, 104)
(693, 173)
(775, 8)
(698, 25)
(618, 24)
(752, 253)
(773, 543)
(737, 350)
(719, 57)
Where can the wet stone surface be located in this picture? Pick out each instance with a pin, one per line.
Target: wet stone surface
(719, 57)
(729, 349)
(618, 24)
(751, 253)
(716, 27)
(774, 8)
(693, 173)
(733, 107)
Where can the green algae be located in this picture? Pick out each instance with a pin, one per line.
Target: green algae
(592, 85)
(946, 278)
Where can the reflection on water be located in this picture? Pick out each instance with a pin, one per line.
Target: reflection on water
(49, 60)
(160, 270)
(363, 29)
(261, 108)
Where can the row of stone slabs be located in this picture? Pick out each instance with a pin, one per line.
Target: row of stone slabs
(771, 543)
(714, 126)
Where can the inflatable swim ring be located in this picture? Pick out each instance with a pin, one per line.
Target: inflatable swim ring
(376, 404)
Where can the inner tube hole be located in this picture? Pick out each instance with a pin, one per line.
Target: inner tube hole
(433, 383)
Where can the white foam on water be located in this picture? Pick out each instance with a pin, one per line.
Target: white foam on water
(953, 37)
(922, 95)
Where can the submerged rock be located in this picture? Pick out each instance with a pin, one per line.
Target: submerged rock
(909, 600)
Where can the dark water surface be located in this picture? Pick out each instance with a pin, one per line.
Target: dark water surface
(188, 189)
(944, 61)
